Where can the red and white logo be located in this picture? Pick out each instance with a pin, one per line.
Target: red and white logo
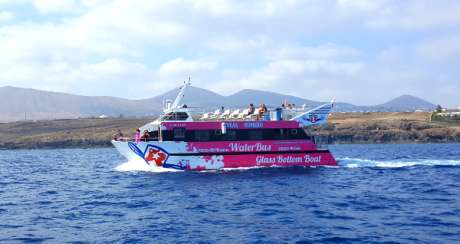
(155, 155)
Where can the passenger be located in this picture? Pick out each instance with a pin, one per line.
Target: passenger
(262, 111)
(264, 108)
(145, 136)
(184, 106)
(118, 136)
(283, 106)
(251, 109)
(222, 109)
(138, 135)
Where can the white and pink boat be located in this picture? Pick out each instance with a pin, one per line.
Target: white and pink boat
(178, 142)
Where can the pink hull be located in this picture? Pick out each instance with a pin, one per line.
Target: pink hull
(318, 158)
(220, 155)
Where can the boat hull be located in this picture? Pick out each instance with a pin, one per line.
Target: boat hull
(220, 155)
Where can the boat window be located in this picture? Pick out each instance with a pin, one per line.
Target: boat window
(179, 133)
(229, 136)
(202, 135)
(255, 134)
(175, 116)
(153, 135)
(235, 135)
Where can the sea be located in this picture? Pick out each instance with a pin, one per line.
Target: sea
(407, 193)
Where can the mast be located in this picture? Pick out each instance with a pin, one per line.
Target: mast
(181, 94)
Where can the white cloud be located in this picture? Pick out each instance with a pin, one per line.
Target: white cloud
(360, 5)
(287, 46)
(417, 15)
(182, 67)
(230, 44)
(292, 76)
(324, 51)
(441, 49)
(173, 72)
(56, 6)
(6, 16)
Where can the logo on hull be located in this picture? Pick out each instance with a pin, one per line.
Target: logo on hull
(152, 154)
(155, 155)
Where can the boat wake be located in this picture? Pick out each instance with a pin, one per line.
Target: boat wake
(346, 162)
(398, 163)
(140, 165)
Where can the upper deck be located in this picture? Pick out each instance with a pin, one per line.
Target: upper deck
(233, 125)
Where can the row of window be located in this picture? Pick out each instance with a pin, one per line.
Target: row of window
(181, 134)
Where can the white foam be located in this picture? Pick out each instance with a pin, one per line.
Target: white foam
(140, 165)
(359, 162)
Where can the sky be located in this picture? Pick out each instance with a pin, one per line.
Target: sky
(360, 51)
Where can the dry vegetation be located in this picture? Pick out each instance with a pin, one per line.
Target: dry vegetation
(394, 127)
(65, 133)
(342, 128)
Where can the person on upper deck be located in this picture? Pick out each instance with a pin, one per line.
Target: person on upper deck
(251, 109)
(118, 136)
(262, 110)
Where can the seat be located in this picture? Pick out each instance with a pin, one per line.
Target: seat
(205, 116)
(243, 114)
(225, 114)
(215, 115)
(234, 114)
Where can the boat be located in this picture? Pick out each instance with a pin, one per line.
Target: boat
(176, 141)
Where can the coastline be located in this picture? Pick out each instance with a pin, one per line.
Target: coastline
(343, 128)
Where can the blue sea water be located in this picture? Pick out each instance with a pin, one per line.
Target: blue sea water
(378, 194)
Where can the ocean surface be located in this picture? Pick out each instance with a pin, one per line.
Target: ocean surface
(378, 194)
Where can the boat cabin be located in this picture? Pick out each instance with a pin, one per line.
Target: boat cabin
(228, 131)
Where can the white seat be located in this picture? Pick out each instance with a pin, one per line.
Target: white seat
(215, 114)
(234, 114)
(205, 116)
(225, 114)
(243, 114)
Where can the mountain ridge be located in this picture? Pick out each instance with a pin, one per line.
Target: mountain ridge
(33, 104)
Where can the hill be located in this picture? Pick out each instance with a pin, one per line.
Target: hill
(389, 127)
(408, 103)
(30, 104)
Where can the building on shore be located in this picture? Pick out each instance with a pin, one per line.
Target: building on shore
(449, 113)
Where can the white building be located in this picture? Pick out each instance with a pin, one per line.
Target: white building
(450, 113)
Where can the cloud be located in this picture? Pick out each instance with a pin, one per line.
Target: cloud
(173, 72)
(179, 66)
(56, 6)
(417, 15)
(323, 51)
(6, 16)
(357, 51)
(293, 76)
(440, 49)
